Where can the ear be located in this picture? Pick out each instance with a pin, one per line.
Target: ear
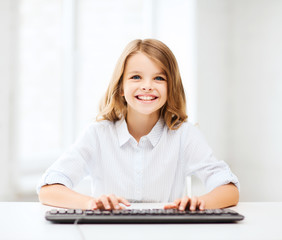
(121, 92)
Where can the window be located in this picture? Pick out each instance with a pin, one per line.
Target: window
(67, 53)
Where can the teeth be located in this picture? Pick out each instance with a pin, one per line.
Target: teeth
(146, 98)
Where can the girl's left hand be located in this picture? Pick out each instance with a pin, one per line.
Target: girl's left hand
(187, 203)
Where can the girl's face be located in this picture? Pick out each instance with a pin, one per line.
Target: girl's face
(144, 85)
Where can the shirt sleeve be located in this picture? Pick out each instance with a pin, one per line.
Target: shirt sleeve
(74, 164)
(201, 162)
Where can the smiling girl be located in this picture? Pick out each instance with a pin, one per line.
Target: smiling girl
(141, 149)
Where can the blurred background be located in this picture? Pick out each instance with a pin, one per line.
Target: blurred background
(57, 57)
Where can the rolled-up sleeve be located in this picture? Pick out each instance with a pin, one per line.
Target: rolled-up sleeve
(201, 162)
(73, 165)
(214, 173)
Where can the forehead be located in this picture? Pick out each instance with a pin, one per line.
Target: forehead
(140, 62)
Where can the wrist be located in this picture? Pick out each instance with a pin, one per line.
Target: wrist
(90, 203)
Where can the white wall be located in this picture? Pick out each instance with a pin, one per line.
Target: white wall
(256, 97)
(240, 90)
(7, 47)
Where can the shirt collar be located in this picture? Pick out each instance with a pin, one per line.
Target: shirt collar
(154, 136)
(156, 132)
(122, 132)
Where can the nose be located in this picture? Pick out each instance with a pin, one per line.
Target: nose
(146, 85)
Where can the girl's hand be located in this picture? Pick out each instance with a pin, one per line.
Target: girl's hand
(187, 203)
(107, 202)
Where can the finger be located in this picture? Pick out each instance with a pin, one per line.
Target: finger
(177, 201)
(99, 204)
(114, 201)
(183, 203)
(193, 203)
(92, 204)
(105, 202)
(202, 204)
(124, 201)
(170, 206)
(173, 205)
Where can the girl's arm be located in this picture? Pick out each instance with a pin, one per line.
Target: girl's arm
(221, 197)
(58, 195)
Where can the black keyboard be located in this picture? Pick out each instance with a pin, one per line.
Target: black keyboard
(142, 216)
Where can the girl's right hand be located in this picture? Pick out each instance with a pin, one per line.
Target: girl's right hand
(107, 202)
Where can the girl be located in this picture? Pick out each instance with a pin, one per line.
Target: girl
(141, 149)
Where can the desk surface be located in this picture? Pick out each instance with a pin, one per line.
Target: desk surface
(263, 220)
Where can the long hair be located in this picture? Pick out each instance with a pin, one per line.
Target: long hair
(113, 106)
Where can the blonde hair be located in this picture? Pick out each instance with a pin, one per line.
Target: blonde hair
(113, 106)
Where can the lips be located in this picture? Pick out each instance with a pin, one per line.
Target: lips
(146, 97)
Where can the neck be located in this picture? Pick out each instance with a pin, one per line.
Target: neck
(140, 125)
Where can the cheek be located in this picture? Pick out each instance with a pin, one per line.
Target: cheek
(126, 93)
(128, 89)
(164, 91)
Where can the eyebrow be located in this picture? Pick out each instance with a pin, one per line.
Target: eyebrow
(132, 72)
(159, 73)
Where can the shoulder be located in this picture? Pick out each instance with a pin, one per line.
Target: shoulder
(101, 125)
(190, 134)
(96, 128)
(189, 129)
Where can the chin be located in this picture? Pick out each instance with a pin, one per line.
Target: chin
(150, 113)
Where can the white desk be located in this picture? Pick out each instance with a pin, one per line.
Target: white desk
(26, 221)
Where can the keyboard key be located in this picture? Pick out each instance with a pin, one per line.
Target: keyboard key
(62, 211)
(229, 211)
(218, 211)
(116, 212)
(106, 212)
(70, 211)
(97, 212)
(209, 212)
(89, 212)
(53, 211)
(78, 211)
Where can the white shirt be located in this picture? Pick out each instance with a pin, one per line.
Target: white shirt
(153, 170)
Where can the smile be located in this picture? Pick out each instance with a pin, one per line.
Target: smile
(146, 97)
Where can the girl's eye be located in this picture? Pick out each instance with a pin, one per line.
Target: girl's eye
(135, 77)
(159, 78)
